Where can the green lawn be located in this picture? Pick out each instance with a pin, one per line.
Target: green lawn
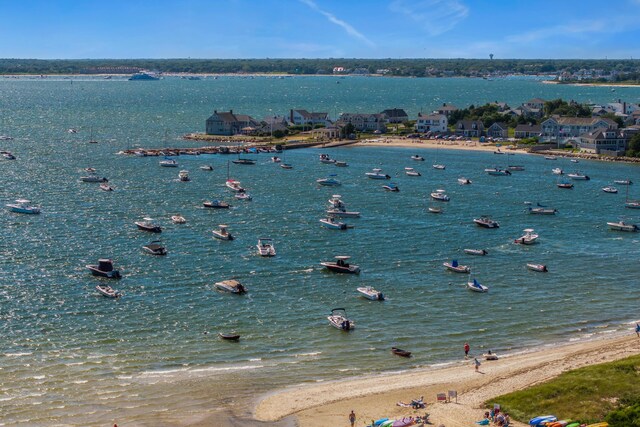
(585, 394)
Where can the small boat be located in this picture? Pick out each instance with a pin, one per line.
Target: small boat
(233, 185)
(178, 219)
(490, 356)
(184, 176)
(498, 151)
(497, 171)
(537, 267)
(515, 168)
(265, 247)
(341, 265)
(148, 225)
(276, 159)
(439, 166)
(418, 158)
(575, 161)
(241, 161)
(434, 209)
(22, 206)
(330, 222)
(341, 164)
(623, 182)
(475, 286)
(610, 189)
(622, 226)
(108, 291)
(456, 268)
(338, 213)
(324, 158)
(377, 174)
(632, 204)
(286, 166)
(411, 172)
(475, 252)
(106, 187)
(369, 293)
(565, 184)
(542, 211)
(206, 167)
(578, 176)
(557, 171)
(464, 181)
(339, 319)
(93, 178)
(233, 286)
(222, 233)
(168, 163)
(539, 421)
(243, 196)
(216, 204)
(440, 195)
(528, 238)
(8, 156)
(104, 269)
(155, 248)
(140, 153)
(229, 337)
(329, 181)
(486, 222)
(391, 187)
(402, 353)
(550, 157)
(90, 170)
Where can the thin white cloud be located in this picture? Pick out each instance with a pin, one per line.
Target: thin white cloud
(434, 16)
(339, 22)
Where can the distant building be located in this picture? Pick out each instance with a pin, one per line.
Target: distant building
(396, 115)
(432, 123)
(364, 122)
(498, 130)
(303, 117)
(560, 129)
(338, 70)
(527, 130)
(227, 123)
(446, 109)
(535, 103)
(469, 128)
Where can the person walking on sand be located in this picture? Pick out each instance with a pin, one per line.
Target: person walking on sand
(477, 363)
(466, 349)
(638, 329)
(352, 418)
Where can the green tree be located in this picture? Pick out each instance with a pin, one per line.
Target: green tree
(633, 148)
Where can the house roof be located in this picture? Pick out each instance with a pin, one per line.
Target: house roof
(468, 124)
(583, 121)
(395, 113)
(528, 127)
(432, 116)
(501, 125)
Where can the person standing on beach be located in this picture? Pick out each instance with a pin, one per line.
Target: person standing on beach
(466, 349)
(477, 363)
(352, 418)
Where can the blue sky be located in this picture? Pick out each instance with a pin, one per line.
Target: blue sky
(71, 29)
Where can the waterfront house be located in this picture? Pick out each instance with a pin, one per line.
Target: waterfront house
(469, 128)
(396, 115)
(527, 130)
(535, 104)
(303, 117)
(432, 123)
(324, 134)
(446, 109)
(364, 122)
(228, 123)
(560, 129)
(498, 130)
(604, 141)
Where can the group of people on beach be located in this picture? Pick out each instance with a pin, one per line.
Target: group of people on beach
(497, 417)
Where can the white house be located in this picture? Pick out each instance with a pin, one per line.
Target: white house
(364, 122)
(432, 123)
(559, 129)
(303, 117)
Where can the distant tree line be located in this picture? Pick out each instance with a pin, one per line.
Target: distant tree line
(393, 67)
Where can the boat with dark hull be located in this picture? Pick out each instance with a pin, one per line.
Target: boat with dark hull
(104, 269)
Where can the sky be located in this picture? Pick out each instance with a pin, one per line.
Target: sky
(520, 29)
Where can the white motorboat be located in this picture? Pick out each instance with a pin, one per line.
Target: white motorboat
(490, 356)
(148, 225)
(108, 291)
(265, 247)
(622, 226)
(550, 157)
(337, 208)
(168, 163)
(434, 209)
(286, 166)
(106, 187)
(222, 233)
(377, 174)
(339, 319)
(341, 265)
(276, 159)
(178, 219)
(206, 167)
(440, 195)
(183, 176)
(610, 189)
(324, 158)
(475, 286)
(232, 286)
(330, 222)
(528, 238)
(341, 164)
(481, 252)
(497, 171)
(216, 204)
(542, 211)
(369, 293)
(457, 268)
(537, 267)
(243, 195)
(9, 156)
(155, 248)
(391, 187)
(578, 176)
(233, 185)
(418, 158)
(439, 166)
(565, 184)
(575, 161)
(464, 181)
(486, 222)
(557, 171)
(22, 206)
(93, 178)
(623, 182)
(411, 172)
(329, 181)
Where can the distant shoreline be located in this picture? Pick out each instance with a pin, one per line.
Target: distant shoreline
(614, 85)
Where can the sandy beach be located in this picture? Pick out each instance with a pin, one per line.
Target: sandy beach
(377, 396)
(468, 145)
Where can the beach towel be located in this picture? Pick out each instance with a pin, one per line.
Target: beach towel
(484, 422)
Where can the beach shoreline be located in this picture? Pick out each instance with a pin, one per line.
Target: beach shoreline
(377, 396)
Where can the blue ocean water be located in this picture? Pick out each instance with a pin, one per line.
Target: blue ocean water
(71, 356)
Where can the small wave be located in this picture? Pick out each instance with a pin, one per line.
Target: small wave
(312, 354)
(38, 377)
(258, 359)
(17, 354)
(80, 382)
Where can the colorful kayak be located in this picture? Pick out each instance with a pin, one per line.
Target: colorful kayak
(561, 423)
(537, 421)
(404, 422)
(603, 424)
(576, 424)
(376, 423)
(387, 423)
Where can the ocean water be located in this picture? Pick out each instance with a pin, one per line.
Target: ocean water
(70, 356)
